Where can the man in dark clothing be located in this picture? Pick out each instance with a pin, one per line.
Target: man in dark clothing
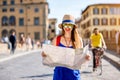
(13, 41)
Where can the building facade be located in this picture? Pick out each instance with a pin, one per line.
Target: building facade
(24, 17)
(106, 17)
(52, 28)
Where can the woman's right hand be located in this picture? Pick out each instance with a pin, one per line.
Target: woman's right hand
(43, 54)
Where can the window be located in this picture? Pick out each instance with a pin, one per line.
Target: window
(111, 10)
(4, 10)
(36, 9)
(21, 11)
(88, 23)
(12, 9)
(21, 21)
(95, 11)
(12, 21)
(37, 35)
(96, 21)
(112, 21)
(52, 30)
(105, 34)
(12, 2)
(104, 11)
(4, 2)
(104, 21)
(36, 21)
(21, 1)
(112, 33)
(114, 10)
(4, 21)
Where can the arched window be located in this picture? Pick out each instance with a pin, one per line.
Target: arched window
(12, 21)
(4, 33)
(4, 21)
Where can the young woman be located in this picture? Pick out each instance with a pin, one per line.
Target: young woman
(68, 39)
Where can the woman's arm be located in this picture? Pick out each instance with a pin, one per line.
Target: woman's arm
(54, 41)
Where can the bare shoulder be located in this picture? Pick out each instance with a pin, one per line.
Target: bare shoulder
(54, 41)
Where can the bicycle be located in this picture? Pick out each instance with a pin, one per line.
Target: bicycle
(97, 59)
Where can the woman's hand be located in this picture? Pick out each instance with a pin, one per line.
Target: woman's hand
(43, 54)
(88, 57)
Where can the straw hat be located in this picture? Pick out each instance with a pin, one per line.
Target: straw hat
(68, 19)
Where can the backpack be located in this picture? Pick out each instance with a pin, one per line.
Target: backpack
(58, 40)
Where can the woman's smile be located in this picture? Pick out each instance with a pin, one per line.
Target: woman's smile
(67, 29)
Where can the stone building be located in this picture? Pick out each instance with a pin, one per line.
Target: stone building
(106, 17)
(24, 17)
(52, 28)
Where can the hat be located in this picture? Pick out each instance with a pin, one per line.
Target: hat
(68, 19)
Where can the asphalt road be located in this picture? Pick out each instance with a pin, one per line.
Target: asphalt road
(29, 67)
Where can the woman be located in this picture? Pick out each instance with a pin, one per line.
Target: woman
(69, 39)
(22, 40)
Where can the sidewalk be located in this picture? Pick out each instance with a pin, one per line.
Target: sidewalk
(4, 56)
(113, 58)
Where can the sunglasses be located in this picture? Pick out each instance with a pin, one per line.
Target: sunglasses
(68, 25)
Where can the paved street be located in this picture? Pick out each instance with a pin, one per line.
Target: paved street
(29, 67)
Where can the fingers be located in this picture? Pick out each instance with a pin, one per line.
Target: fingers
(87, 57)
(43, 54)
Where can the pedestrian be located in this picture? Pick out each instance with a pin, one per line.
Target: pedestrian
(12, 40)
(117, 37)
(32, 43)
(38, 44)
(68, 39)
(96, 41)
(28, 42)
(22, 40)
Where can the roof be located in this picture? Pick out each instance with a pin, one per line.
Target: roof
(100, 5)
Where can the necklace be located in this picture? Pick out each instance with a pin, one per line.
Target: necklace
(67, 42)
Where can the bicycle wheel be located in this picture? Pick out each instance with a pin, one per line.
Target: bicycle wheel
(101, 65)
(99, 68)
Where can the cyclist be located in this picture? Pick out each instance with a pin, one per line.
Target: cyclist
(96, 41)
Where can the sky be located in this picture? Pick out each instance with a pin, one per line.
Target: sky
(58, 8)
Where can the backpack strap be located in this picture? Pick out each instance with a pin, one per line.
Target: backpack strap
(58, 40)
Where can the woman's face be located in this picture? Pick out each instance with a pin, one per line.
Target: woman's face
(68, 27)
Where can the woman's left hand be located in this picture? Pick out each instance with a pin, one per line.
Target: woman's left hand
(88, 57)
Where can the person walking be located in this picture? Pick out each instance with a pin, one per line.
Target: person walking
(22, 40)
(68, 39)
(28, 42)
(12, 40)
(96, 41)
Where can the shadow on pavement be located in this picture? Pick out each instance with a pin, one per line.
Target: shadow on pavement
(86, 72)
(37, 76)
